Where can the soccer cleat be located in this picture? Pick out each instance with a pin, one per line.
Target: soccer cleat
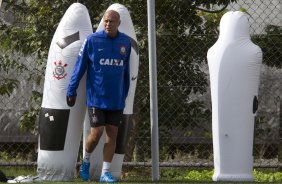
(84, 170)
(108, 178)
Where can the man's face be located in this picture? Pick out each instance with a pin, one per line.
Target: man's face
(111, 22)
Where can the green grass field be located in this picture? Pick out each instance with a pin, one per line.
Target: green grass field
(167, 175)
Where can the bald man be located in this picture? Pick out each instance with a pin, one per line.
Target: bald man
(105, 56)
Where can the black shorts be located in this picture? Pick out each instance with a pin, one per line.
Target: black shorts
(100, 117)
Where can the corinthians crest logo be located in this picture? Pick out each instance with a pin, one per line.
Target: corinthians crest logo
(59, 71)
(122, 50)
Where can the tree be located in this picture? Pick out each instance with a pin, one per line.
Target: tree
(182, 43)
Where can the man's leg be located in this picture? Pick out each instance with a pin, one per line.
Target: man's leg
(110, 142)
(112, 121)
(93, 138)
(108, 153)
(91, 142)
(97, 120)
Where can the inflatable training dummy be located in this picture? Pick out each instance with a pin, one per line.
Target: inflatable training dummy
(61, 126)
(234, 66)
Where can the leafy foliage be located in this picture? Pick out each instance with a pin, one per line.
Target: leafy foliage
(271, 45)
(261, 176)
(7, 86)
(203, 175)
(31, 115)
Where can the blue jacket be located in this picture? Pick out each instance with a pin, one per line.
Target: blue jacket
(106, 60)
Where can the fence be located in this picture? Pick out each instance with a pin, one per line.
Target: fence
(184, 34)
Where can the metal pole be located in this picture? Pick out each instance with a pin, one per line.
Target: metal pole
(280, 134)
(153, 90)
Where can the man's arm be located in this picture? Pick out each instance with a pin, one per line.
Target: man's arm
(127, 74)
(78, 72)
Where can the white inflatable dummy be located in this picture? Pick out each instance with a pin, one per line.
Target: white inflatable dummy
(126, 27)
(60, 127)
(234, 66)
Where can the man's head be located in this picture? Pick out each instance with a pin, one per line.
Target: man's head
(111, 21)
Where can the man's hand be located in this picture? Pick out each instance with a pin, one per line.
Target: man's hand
(71, 100)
